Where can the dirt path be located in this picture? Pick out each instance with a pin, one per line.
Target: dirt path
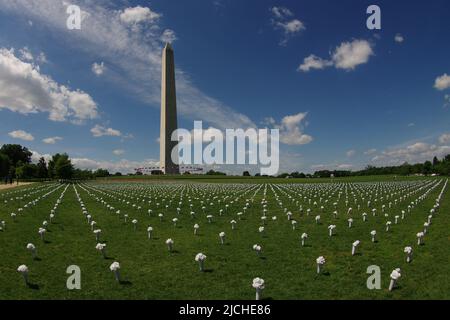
(14, 185)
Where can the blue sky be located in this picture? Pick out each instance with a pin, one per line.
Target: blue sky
(363, 96)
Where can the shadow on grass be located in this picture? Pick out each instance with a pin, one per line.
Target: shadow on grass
(125, 283)
(37, 259)
(208, 270)
(47, 241)
(33, 286)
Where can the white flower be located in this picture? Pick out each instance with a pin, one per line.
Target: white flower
(134, 221)
(149, 229)
(320, 260)
(356, 243)
(114, 266)
(100, 246)
(22, 268)
(222, 234)
(395, 274)
(408, 250)
(257, 247)
(200, 257)
(261, 229)
(304, 236)
(169, 241)
(373, 233)
(258, 283)
(31, 246)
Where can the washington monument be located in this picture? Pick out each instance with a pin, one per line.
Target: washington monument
(168, 113)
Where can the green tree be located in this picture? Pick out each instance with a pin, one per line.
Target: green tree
(101, 173)
(63, 168)
(427, 167)
(16, 153)
(4, 165)
(42, 171)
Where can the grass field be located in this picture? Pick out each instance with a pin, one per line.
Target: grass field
(150, 271)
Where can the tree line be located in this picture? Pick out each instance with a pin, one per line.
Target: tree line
(16, 164)
(436, 166)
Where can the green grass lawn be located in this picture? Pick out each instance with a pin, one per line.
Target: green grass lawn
(150, 271)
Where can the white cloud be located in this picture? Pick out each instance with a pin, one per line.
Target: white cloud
(399, 38)
(282, 19)
(347, 56)
(22, 135)
(98, 68)
(134, 56)
(412, 153)
(168, 36)
(411, 124)
(118, 152)
(292, 26)
(139, 15)
(100, 131)
(444, 138)
(123, 166)
(35, 156)
(25, 54)
(442, 82)
(370, 152)
(52, 140)
(350, 153)
(281, 12)
(25, 90)
(291, 130)
(314, 62)
(351, 54)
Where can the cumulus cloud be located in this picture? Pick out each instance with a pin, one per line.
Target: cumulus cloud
(444, 138)
(168, 36)
(124, 166)
(25, 90)
(139, 15)
(416, 152)
(314, 62)
(346, 56)
(98, 68)
(52, 140)
(22, 135)
(282, 19)
(35, 156)
(281, 12)
(133, 53)
(100, 131)
(351, 54)
(442, 82)
(291, 130)
(399, 38)
(25, 54)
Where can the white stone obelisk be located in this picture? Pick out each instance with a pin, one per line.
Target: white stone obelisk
(168, 114)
